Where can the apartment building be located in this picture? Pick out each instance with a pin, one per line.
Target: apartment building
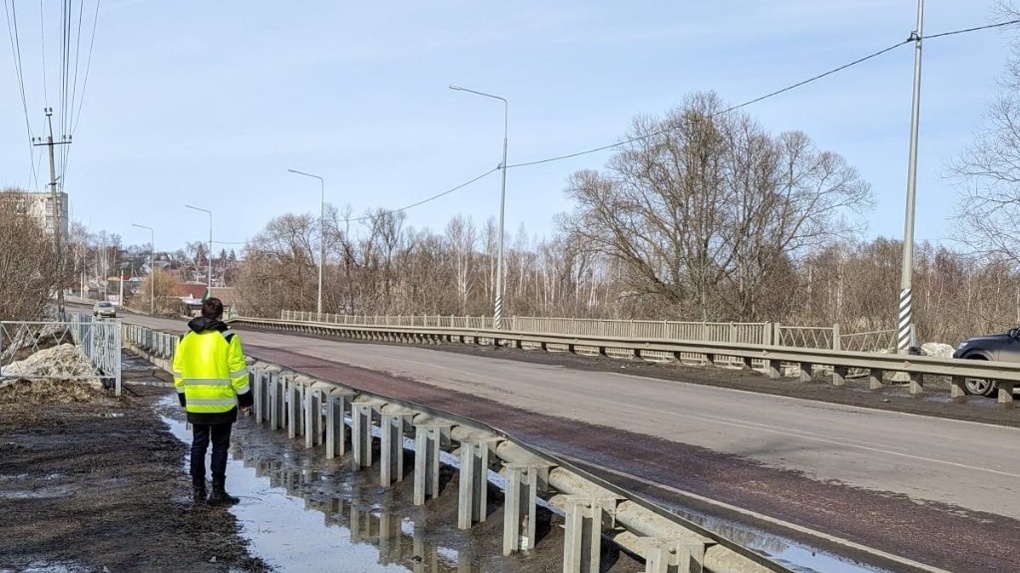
(40, 206)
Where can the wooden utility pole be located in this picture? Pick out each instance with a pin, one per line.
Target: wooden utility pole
(55, 215)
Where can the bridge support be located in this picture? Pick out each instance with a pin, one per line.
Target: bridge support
(875, 376)
(519, 508)
(391, 467)
(474, 482)
(916, 384)
(428, 439)
(839, 375)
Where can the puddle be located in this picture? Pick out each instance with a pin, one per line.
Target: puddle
(43, 567)
(794, 555)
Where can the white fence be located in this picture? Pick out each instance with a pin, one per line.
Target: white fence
(98, 340)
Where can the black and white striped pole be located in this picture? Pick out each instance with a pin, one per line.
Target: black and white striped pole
(904, 333)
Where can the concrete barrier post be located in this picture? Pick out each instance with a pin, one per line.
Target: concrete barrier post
(519, 508)
(839, 375)
(875, 376)
(474, 482)
(391, 467)
(336, 427)
(427, 444)
(582, 544)
(361, 435)
(313, 417)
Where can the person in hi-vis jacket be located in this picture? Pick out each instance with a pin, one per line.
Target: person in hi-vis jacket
(211, 377)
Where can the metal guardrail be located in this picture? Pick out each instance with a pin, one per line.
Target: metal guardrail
(316, 410)
(768, 358)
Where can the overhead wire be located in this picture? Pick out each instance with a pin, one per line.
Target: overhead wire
(763, 97)
(88, 66)
(12, 31)
(730, 109)
(42, 48)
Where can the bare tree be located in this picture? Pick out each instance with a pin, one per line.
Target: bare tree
(28, 261)
(987, 214)
(703, 207)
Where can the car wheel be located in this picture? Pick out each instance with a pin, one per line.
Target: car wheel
(979, 386)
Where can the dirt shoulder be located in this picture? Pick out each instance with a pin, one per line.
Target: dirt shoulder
(98, 484)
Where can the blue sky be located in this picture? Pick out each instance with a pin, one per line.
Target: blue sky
(209, 103)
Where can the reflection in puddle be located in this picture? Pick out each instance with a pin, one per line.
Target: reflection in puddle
(322, 518)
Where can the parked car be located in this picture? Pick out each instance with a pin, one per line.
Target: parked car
(998, 347)
(104, 309)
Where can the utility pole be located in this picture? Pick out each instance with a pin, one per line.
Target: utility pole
(57, 231)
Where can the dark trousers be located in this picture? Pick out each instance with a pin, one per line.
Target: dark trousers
(220, 436)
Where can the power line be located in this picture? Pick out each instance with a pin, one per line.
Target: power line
(727, 110)
(764, 97)
(42, 47)
(965, 31)
(423, 201)
(88, 66)
(12, 31)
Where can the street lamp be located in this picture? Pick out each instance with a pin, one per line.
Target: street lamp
(905, 322)
(209, 255)
(497, 317)
(152, 267)
(322, 242)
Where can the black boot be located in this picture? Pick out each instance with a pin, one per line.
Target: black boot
(219, 495)
(198, 493)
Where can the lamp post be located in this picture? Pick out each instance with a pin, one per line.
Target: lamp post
(152, 267)
(322, 241)
(209, 256)
(904, 335)
(497, 316)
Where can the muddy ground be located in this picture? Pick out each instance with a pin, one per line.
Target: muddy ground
(97, 484)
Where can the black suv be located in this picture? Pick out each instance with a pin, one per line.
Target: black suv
(998, 347)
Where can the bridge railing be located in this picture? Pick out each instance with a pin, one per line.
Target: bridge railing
(740, 332)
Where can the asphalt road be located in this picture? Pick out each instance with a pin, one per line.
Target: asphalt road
(970, 466)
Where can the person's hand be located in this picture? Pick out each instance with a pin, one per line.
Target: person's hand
(246, 410)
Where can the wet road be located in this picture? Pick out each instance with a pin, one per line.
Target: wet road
(852, 472)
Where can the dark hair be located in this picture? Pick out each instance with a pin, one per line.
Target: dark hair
(212, 307)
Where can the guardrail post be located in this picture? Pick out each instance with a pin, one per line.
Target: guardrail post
(277, 401)
(1005, 391)
(805, 372)
(427, 443)
(916, 383)
(672, 555)
(294, 391)
(771, 368)
(582, 544)
(336, 428)
(474, 482)
(839, 375)
(956, 391)
(256, 379)
(391, 467)
(875, 376)
(313, 417)
(837, 344)
(519, 508)
(361, 435)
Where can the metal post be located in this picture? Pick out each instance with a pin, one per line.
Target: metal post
(497, 317)
(152, 267)
(322, 241)
(209, 286)
(904, 338)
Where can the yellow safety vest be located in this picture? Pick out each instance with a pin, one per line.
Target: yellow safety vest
(210, 370)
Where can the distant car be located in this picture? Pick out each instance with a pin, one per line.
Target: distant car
(998, 347)
(104, 309)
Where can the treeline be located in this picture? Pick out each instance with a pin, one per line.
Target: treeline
(388, 268)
